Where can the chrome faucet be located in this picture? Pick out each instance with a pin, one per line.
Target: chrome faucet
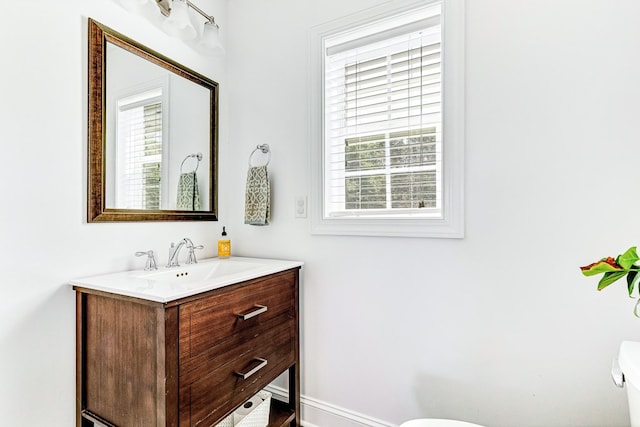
(174, 251)
(151, 261)
(191, 256)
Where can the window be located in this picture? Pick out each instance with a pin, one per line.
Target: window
(140, 146)
(386, 161)
(390, 171)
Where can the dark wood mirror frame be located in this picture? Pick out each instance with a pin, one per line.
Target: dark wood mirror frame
(97, 211)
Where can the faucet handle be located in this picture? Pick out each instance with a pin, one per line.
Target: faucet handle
(191, 257)
(151, 260)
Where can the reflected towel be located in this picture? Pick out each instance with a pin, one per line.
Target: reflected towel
(188, 194)
(257, 197)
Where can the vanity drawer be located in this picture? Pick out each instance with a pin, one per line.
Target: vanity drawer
(210, 322)
(215, 385)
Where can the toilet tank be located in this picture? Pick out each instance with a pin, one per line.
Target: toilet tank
(629, 360)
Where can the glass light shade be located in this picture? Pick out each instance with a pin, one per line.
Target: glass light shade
(211, 39)
(178, 23)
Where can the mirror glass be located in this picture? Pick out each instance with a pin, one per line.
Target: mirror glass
(153, 134)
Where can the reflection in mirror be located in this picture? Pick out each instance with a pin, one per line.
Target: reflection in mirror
(153, 134)
(145, 156)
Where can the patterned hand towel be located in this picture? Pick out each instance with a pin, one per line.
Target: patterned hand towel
(188, 194)
(258, 197)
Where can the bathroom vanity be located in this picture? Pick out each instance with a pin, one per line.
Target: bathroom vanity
(187, 346)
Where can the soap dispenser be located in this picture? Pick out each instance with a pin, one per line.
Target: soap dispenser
(224, 245)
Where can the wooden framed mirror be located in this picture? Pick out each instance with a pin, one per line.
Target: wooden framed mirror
(153, 134)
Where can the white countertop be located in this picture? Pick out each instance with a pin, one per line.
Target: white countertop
(170, 284)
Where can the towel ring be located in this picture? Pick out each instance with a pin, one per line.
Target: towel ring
(198, 156)
(265, 150)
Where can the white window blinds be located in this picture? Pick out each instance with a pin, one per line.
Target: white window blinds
(139, 123)
(383, 119)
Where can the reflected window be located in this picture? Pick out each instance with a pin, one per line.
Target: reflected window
(140, 149)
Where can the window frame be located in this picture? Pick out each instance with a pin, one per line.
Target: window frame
(450, 224)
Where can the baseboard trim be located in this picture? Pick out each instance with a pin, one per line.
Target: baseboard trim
(316, 413)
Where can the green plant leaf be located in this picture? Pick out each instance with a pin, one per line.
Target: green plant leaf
(603, 266)
(632, 278)
(610, 277)
(627, 259)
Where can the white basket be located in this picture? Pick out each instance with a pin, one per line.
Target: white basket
(258, 417)
(227, 422)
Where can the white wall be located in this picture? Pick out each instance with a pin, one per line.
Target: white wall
(499, 328)
(44, 235)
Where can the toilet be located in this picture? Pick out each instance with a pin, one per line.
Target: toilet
(629, 361)
(432, 422)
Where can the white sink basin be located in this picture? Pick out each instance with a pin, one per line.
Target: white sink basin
(202, 271)
(169, 284)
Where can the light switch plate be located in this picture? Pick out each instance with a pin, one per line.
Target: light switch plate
(301, 206)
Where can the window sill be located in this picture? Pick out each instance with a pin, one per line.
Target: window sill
(452, 228)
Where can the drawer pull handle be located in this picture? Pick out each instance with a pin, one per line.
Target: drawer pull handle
(245, 375)
(258, 310)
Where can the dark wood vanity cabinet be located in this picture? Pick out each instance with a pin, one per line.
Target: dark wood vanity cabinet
(189, 362)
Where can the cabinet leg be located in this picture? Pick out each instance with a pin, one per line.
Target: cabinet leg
(294, 393)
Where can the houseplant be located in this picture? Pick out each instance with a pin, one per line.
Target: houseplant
(614, 269)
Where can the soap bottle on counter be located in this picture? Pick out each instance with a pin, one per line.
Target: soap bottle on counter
(224, 245)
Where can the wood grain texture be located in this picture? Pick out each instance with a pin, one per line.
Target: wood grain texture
(208, 321)
(123, 347)
(214, 390)
(150, 364)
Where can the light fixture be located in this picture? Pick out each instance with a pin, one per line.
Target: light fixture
(178, 24)
(210, 41)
